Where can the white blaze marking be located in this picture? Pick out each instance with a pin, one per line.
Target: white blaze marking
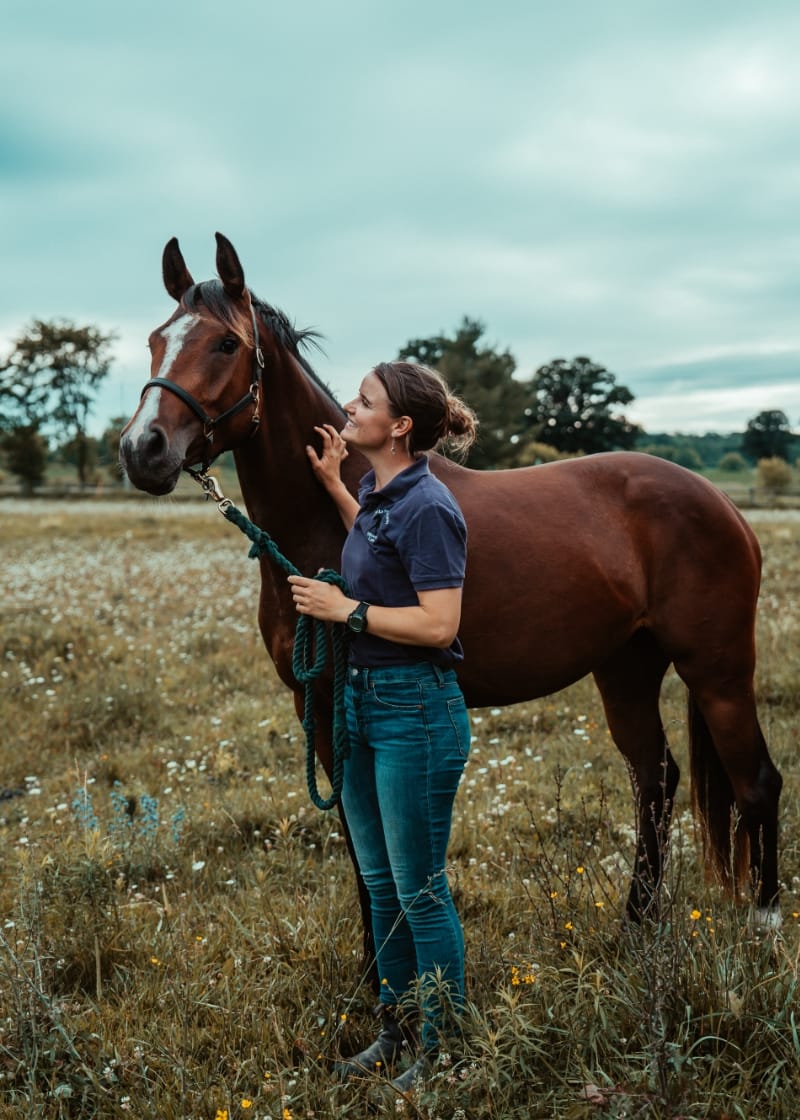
(175, 334)
(148, 410)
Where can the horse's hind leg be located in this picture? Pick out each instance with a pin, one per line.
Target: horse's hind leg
(732, 771)
(708, 630)
(630, 684)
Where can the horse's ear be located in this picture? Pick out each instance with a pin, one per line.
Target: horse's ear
(229, 268)
(177, 278)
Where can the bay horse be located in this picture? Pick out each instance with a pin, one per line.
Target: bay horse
(616, 564)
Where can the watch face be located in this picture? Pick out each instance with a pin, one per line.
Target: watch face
(357, 620)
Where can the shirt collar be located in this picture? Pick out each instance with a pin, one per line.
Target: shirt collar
(397, 488)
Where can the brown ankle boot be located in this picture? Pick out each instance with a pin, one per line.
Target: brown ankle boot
(381, 1055)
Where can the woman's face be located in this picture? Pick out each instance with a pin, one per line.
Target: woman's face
(369, 420)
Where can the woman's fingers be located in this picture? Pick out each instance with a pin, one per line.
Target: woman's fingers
(331, 439)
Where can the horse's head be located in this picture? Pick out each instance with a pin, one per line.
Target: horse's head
(204, 396)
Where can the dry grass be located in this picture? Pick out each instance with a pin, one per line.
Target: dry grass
(179, 931)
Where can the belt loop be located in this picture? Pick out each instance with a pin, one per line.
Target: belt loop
(439, 675)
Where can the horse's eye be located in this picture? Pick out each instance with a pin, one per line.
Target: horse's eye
(229, 344)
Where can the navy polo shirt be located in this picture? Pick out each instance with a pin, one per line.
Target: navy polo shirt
(408, 537)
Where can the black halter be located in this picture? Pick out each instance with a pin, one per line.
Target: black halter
(253, 395)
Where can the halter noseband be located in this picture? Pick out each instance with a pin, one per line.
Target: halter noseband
(210, 423)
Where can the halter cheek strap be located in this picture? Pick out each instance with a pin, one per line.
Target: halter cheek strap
(252, 397)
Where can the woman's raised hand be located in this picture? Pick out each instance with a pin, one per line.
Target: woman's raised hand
(327, 466)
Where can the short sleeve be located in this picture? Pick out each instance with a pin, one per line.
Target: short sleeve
(433, 547)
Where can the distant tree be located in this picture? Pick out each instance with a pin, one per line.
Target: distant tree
(682, 453)
(689, 457)
(576, 404)
(50, 379)
(660, 450)
(710, 446)
(767, 435)
(81, 453)
(25, 451)
(774, 474)
(484, 378)
(535, 453)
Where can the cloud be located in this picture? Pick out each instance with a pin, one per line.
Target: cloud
(618, 180)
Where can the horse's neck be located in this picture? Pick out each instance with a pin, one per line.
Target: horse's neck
(278, 486)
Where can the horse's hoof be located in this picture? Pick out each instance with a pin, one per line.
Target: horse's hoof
(766, 918)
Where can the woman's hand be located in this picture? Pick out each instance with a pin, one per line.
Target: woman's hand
(328, 469)
(324, 601)
(327, 466)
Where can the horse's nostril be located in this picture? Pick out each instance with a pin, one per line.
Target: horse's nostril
(154, 444)
(148, 450)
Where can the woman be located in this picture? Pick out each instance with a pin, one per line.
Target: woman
(403, 561)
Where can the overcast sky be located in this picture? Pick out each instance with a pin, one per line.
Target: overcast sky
(617, 179)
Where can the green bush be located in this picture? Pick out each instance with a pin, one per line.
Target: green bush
(774, 474)
(541, 453)
(733, 461)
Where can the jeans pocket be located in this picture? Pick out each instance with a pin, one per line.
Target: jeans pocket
(459, 718)
(400, 696)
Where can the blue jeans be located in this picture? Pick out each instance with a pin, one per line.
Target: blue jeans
(409, 740)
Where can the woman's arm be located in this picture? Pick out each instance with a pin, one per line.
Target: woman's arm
(434, 622)
(327, 467)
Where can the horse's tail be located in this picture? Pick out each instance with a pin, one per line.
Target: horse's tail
(725, 842)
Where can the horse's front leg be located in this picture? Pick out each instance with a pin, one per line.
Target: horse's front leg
(323, 718)
(654, 792)
(630, 683)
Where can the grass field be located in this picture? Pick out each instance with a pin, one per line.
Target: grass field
(179, 925)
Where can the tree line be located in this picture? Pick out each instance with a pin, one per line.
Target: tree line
(50, 378)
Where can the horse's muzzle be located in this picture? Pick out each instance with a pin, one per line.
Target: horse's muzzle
(149, 461)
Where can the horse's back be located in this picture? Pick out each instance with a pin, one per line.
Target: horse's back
(623, 500)
(567, 559)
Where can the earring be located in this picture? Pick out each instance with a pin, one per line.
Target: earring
(394, 449)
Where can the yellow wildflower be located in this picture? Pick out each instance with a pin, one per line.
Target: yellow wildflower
(695, 914)
(245, 1103)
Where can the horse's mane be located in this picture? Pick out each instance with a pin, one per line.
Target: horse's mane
(211, 294)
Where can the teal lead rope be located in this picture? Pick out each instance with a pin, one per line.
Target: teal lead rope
(310, 653)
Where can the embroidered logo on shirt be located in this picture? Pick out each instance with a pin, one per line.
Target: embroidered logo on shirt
(380, 519)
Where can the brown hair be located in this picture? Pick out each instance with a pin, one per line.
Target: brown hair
(422, 394)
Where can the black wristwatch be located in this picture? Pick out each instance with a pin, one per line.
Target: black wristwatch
(357, 619)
